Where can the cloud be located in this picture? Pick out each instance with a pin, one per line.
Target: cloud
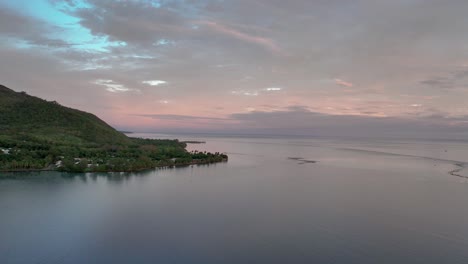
(136, 22)
(343, 83)
(183, 117)
(154, 82)
(246, 93)
(113, 87)
(455, 79)
(273, 89)
(256, 92)
(218, 49)
(300, 120)
(267, 43)
(27, 30)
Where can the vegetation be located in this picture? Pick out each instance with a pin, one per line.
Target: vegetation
(39, 135)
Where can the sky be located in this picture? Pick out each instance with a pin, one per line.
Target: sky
(296, 67)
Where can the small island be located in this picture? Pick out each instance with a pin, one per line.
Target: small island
(36, 134)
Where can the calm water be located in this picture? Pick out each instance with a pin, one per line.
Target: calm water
(379, 201)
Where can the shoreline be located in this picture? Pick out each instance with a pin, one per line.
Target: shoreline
(456, 171)
(112, 171)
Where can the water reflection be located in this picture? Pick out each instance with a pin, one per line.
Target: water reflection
(260, 207)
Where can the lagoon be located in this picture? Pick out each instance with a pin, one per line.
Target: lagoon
(277, 200)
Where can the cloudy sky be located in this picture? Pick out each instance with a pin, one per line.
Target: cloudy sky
(315, 67)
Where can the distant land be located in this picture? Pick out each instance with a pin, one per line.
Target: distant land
(36, 134)
(126, 132)
(193, 142)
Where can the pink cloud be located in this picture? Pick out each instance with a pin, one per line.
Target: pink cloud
(264, 42)
(343, 83)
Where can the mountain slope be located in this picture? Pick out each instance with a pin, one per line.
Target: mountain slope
(22, 113)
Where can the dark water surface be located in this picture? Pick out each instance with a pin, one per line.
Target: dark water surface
(387, 201)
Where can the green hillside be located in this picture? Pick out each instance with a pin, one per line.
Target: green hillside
(24, 114)
(39, 135)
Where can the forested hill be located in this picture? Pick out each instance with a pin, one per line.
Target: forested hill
(22, 113)
(39, 135)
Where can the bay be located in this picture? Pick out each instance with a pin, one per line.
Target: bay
(277, 200)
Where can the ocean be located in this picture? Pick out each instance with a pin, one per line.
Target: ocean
(277, 200)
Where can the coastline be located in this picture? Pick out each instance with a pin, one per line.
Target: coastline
(113, 171)
(460, 167)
